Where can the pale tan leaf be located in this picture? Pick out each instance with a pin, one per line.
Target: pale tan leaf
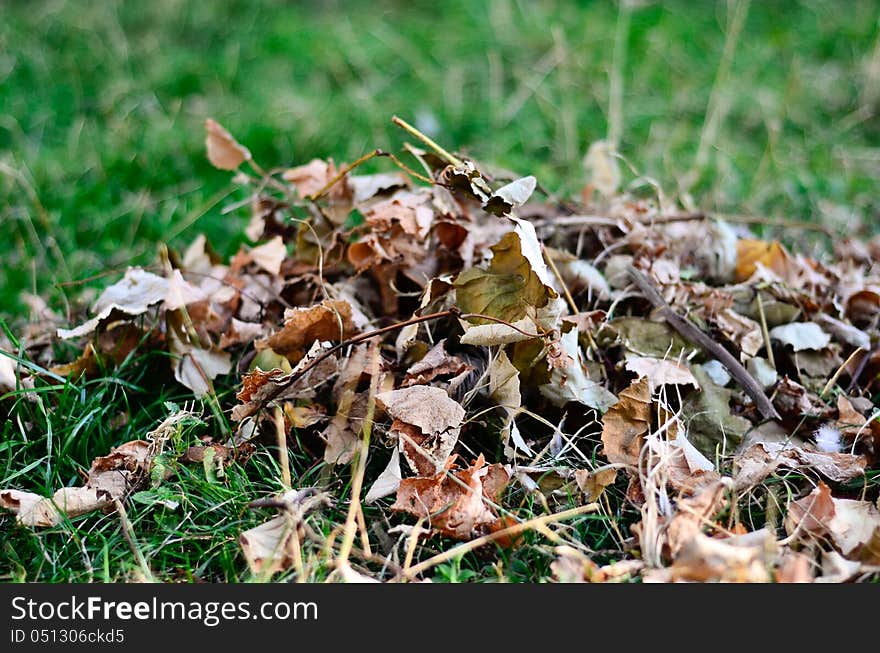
(224, 152)
(270, 255)
(268, 548)
(801, 335)
(181, 292)
(312, 177)
(760, 460)
(603, 168)
(504, 389)
(427, 422)
(388, 481)
(133, 295)
(661, 371)
(731, 560)
(30, 509)
(196, 367)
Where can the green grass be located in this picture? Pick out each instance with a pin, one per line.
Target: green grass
(102, 158)
(102, 105)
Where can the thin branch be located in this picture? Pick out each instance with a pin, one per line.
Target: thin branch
(693, 333)
(418, 319)
(451, 158)
(339, 175)
(510, 531)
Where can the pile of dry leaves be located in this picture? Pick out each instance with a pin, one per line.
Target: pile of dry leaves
(483, 340)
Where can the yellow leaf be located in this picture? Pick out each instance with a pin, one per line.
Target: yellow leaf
(750, 252)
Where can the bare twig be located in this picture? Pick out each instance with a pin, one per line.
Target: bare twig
(451, 158)
(291, 378)
(693, 333)
(510, 531)
(344, 171)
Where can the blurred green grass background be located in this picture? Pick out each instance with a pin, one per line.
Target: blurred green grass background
(766, 108)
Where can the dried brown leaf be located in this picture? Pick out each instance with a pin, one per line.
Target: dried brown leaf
(330, 321)
(268, 548)
(730, 560)
(593, 483)
(661, 371)
(110, 477)
(427, 421)
(224, 152)
(626, 423)
(270, 255)
(760, 460)
(453, 510)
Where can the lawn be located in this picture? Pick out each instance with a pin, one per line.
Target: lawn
(759, 109)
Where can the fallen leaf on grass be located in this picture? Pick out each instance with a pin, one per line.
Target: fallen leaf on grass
(133, 295)
(511, 196)
(452, 509)
(341, 434)
(844, 332)
(801, 335)
(343, 431)
(572, 566)
(504, 390)
(762, 459)
(270, 255)
(580, 276)
(794, 567)
(313, 176)
(515, 284)
(331, 320)
(427, 422)
(437, 362)
(792, 399)
(258, 386)
(8, 373)
(35, 510)
(626, 423)
(194, 365)
(224, 152)
(743, 559)
(601, 164)
(388, 481)
(645, 338)
(365, 187)
(110, 477)
(750, 253)
(593, 483)
(764, 373)
(269, 547)
(853, 526)
(661, 371)
(744, 332)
